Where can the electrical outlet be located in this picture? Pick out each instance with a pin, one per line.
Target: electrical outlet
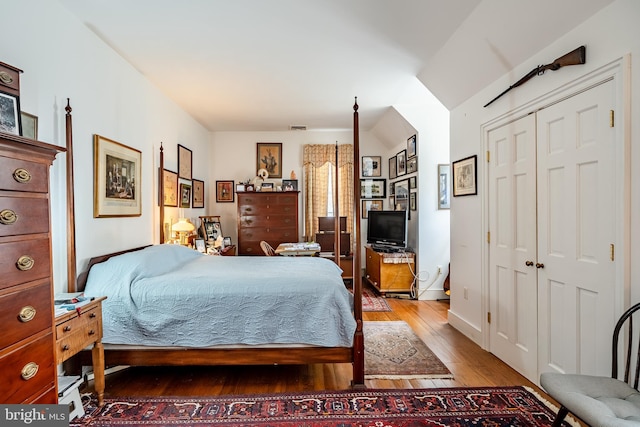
(465, 293)
(439, 267)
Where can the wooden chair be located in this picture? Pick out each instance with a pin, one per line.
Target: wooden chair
(602, 401)
(267, 249)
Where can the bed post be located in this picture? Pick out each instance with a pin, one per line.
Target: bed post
(161, 192)
(71, 221)
(336, 214)
(358, 339)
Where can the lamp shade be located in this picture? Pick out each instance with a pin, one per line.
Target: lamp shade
(183, 225)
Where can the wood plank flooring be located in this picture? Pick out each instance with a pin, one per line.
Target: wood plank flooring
(470, 365)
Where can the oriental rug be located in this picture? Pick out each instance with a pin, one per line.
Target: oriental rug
(393, 351)
(373, 302)
(477, 406)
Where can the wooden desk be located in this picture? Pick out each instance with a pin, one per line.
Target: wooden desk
(297, 249)
(78, 329)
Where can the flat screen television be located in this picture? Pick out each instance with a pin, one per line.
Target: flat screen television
(387, 228)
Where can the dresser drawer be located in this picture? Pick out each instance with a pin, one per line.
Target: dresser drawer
(274, 236)
(9, 79)
(24, 261)
(22, 175)
(26, 370)
(23, 215)
(272, 220)
(24, 313)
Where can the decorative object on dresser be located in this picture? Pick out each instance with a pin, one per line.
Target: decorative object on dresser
(29, 124)
(79, 325)
(289, 185)
(224, 191)
(116, 179)
(269, 157)
(26, 296)
(389, 272)
(272, 217)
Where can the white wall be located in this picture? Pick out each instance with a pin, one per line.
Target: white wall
(234, 158)
(609, 35)
(62, 59)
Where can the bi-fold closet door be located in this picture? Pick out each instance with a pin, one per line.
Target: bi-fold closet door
(552, 223)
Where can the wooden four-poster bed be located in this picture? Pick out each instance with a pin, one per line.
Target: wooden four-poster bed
(146, 354)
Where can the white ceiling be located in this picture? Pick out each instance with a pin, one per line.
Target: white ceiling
(256, 65)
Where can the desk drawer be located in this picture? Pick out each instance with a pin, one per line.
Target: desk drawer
(24, 261)
(76, 340)
(27, 370)
(24, 313)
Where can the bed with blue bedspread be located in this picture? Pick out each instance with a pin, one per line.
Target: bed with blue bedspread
(170, 295)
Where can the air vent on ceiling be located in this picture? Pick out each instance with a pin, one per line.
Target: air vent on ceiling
(297, 127)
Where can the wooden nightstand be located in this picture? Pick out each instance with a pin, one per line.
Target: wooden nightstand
(77, 329)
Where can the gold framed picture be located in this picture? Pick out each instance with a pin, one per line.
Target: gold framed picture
(185, 162)
(198, 194)
(185, 195)
(269, 157)
(116, 179)
(224, 191)
(170, 183)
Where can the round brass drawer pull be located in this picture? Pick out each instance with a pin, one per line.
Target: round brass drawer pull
(22, 175)
(8, 217)
(27, 313)
(65, 347)
(29, 371)
(6, 77)
(25, 263)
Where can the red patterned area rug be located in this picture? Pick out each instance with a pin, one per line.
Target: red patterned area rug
(373, 302)
(486, 406)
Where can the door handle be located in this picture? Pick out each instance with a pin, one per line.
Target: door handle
(539, 265)
(528, 263)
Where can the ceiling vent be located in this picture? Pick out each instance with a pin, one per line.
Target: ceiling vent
(297, 127)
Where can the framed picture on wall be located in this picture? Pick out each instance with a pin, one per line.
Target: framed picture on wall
(392, 167)
(224, 191)
(370, 205)
(411, 146)
(170, 183)
(269, 157)
(198, 194)
(401, 163)
(185, 195)
(185, 162)
(371, 166)
(373, 188)
(116, 179)
(412, 165)
(444, 186)
(464, 176)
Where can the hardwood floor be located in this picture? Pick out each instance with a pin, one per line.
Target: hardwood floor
(470, 365)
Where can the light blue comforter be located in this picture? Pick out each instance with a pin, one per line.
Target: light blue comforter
(169, 295)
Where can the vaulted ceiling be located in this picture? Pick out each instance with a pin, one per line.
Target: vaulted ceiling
(243, 65)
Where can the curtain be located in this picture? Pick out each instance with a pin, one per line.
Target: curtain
(318, 159)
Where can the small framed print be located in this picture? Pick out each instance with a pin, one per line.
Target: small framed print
(198, 194)
(402, 190)
(373, 188)
(226, 241)
(29, 125)
(464, 176)
(370, 205)
(185, 162)
(250, 187)
(266, 186)
(240, 188)
(185, 195)
(224, 191)
(393, 163)
(411, 146)
(170, 183)
(269, 157)
(10, 114)
(413, 183)
(200, 246)
(371, 166)
(412, 165)
(444, 186)
(401, 163)
(412, 201)
(289, 185)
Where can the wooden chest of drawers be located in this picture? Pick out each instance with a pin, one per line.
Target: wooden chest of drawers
(269, 216)
(28, 373)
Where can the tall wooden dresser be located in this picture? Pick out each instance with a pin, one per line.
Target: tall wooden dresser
(28, 373)
(269, 216)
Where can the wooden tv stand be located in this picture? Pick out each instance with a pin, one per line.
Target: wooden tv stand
(389, 272)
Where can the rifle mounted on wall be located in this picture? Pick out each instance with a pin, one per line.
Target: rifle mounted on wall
(575, 57)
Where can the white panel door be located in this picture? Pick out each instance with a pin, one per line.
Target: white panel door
(512, 224)
(576, 231)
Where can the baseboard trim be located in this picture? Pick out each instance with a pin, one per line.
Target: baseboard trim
(467, 329)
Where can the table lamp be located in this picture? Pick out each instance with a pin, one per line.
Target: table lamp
(183, 227)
